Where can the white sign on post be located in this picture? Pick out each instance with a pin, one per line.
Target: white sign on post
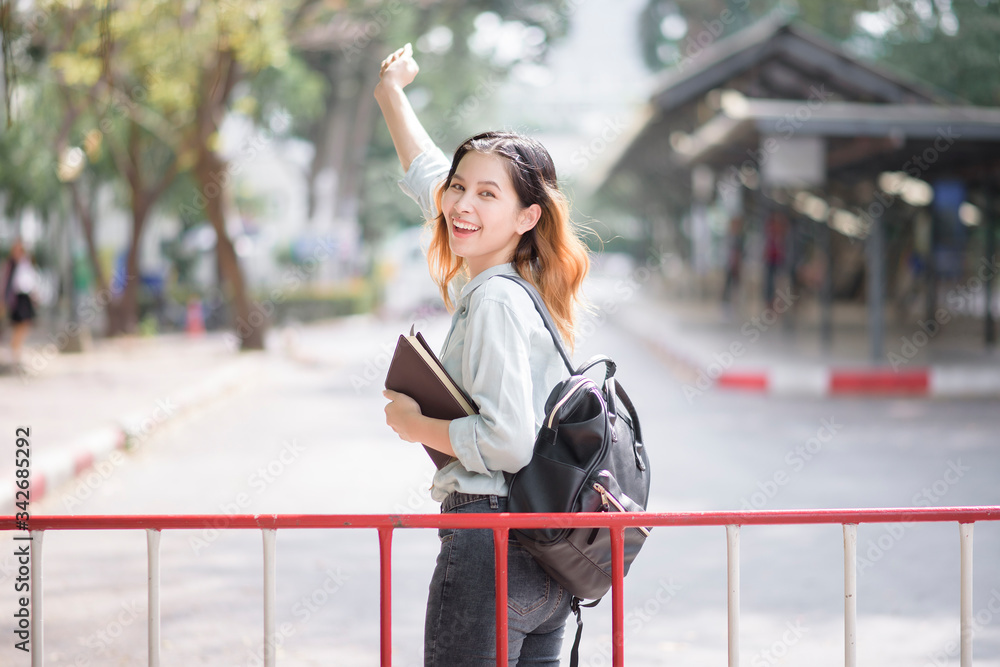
(792, 161)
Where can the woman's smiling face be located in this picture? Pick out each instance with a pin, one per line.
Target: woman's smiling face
(484, 215)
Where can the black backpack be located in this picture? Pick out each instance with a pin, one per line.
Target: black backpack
(588, 457)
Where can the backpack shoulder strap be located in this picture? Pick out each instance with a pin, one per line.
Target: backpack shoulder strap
(536, 298)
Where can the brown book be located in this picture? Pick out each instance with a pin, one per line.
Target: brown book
(417, 372)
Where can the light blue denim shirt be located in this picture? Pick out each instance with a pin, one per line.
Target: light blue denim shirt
(501, 354)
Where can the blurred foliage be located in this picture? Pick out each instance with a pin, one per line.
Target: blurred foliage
(96, 67)
(27, 170)
(133, 94)
(113, 97)
(299, 63)
(460, 73)
(28, 174)
(951, 44)
(958, 51)
(292, 92)
(310, 304)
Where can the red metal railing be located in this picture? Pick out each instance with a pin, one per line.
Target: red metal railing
(501, 525)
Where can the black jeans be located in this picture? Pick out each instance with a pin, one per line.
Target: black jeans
(459, 630)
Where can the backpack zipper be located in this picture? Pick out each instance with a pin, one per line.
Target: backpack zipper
(565, 399)
(607, 497)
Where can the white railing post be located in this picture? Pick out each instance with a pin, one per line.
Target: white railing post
(270, 592)
(153, 595)
(965, 598)
(37, 608)
(850, 594)
(733, 602)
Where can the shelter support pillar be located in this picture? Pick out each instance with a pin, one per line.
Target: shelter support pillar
(875, 269)
(930, 301)
(826, 294)
(761, 209)
(791, 260)
(990, 251)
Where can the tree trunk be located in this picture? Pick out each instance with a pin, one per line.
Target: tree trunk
(250, 323)
(354, 153)
(86, 216)
(212, 174)
(123, 311)
(341, 141)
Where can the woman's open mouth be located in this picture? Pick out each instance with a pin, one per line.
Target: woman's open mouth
(460, 228)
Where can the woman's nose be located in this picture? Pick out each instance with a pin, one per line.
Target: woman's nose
(464, 202)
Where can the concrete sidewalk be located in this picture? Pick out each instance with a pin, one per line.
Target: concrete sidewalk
(779, 350)
(84, 409)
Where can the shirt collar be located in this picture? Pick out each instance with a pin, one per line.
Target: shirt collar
(476, 282)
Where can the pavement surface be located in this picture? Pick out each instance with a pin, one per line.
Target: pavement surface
(86, 408)
(778, 349)
(296, 437)
(197, 393)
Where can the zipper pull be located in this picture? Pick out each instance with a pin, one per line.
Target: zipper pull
(604, 508)
(607, 498)
(605, 504)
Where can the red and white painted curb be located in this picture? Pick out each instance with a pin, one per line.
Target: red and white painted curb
(945, 381)
(50, 472)
(815, 380)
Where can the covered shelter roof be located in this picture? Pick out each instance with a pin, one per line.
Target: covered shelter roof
(782, 107)
(775, 59)
(862, 139)
(782, 59)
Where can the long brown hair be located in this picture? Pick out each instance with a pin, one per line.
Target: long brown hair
(551, 256)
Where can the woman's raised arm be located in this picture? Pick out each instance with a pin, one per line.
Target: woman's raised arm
(408, 135)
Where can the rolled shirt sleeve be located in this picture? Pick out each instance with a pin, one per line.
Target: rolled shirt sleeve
(422, 178)
(497, 374)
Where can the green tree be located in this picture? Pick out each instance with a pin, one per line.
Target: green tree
(38, 168)
(454, 91)
(953, 46)
(156, 105)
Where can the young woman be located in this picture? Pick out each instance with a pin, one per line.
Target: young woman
(17, 284)
(494, 208)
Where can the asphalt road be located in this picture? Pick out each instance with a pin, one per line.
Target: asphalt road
(308, 436)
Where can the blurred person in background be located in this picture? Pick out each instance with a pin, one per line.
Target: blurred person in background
(19, 285)
(734, 258)
(775, 238)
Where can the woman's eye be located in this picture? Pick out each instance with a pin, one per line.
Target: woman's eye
(487, 193)
(456, 186)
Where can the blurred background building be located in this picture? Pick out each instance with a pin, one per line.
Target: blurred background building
(847, 181)
(756, 146)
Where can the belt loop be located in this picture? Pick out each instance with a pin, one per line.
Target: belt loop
(494, 502)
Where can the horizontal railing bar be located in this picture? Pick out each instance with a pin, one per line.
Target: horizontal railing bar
(509, 520)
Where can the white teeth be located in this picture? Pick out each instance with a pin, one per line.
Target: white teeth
(465, 225)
